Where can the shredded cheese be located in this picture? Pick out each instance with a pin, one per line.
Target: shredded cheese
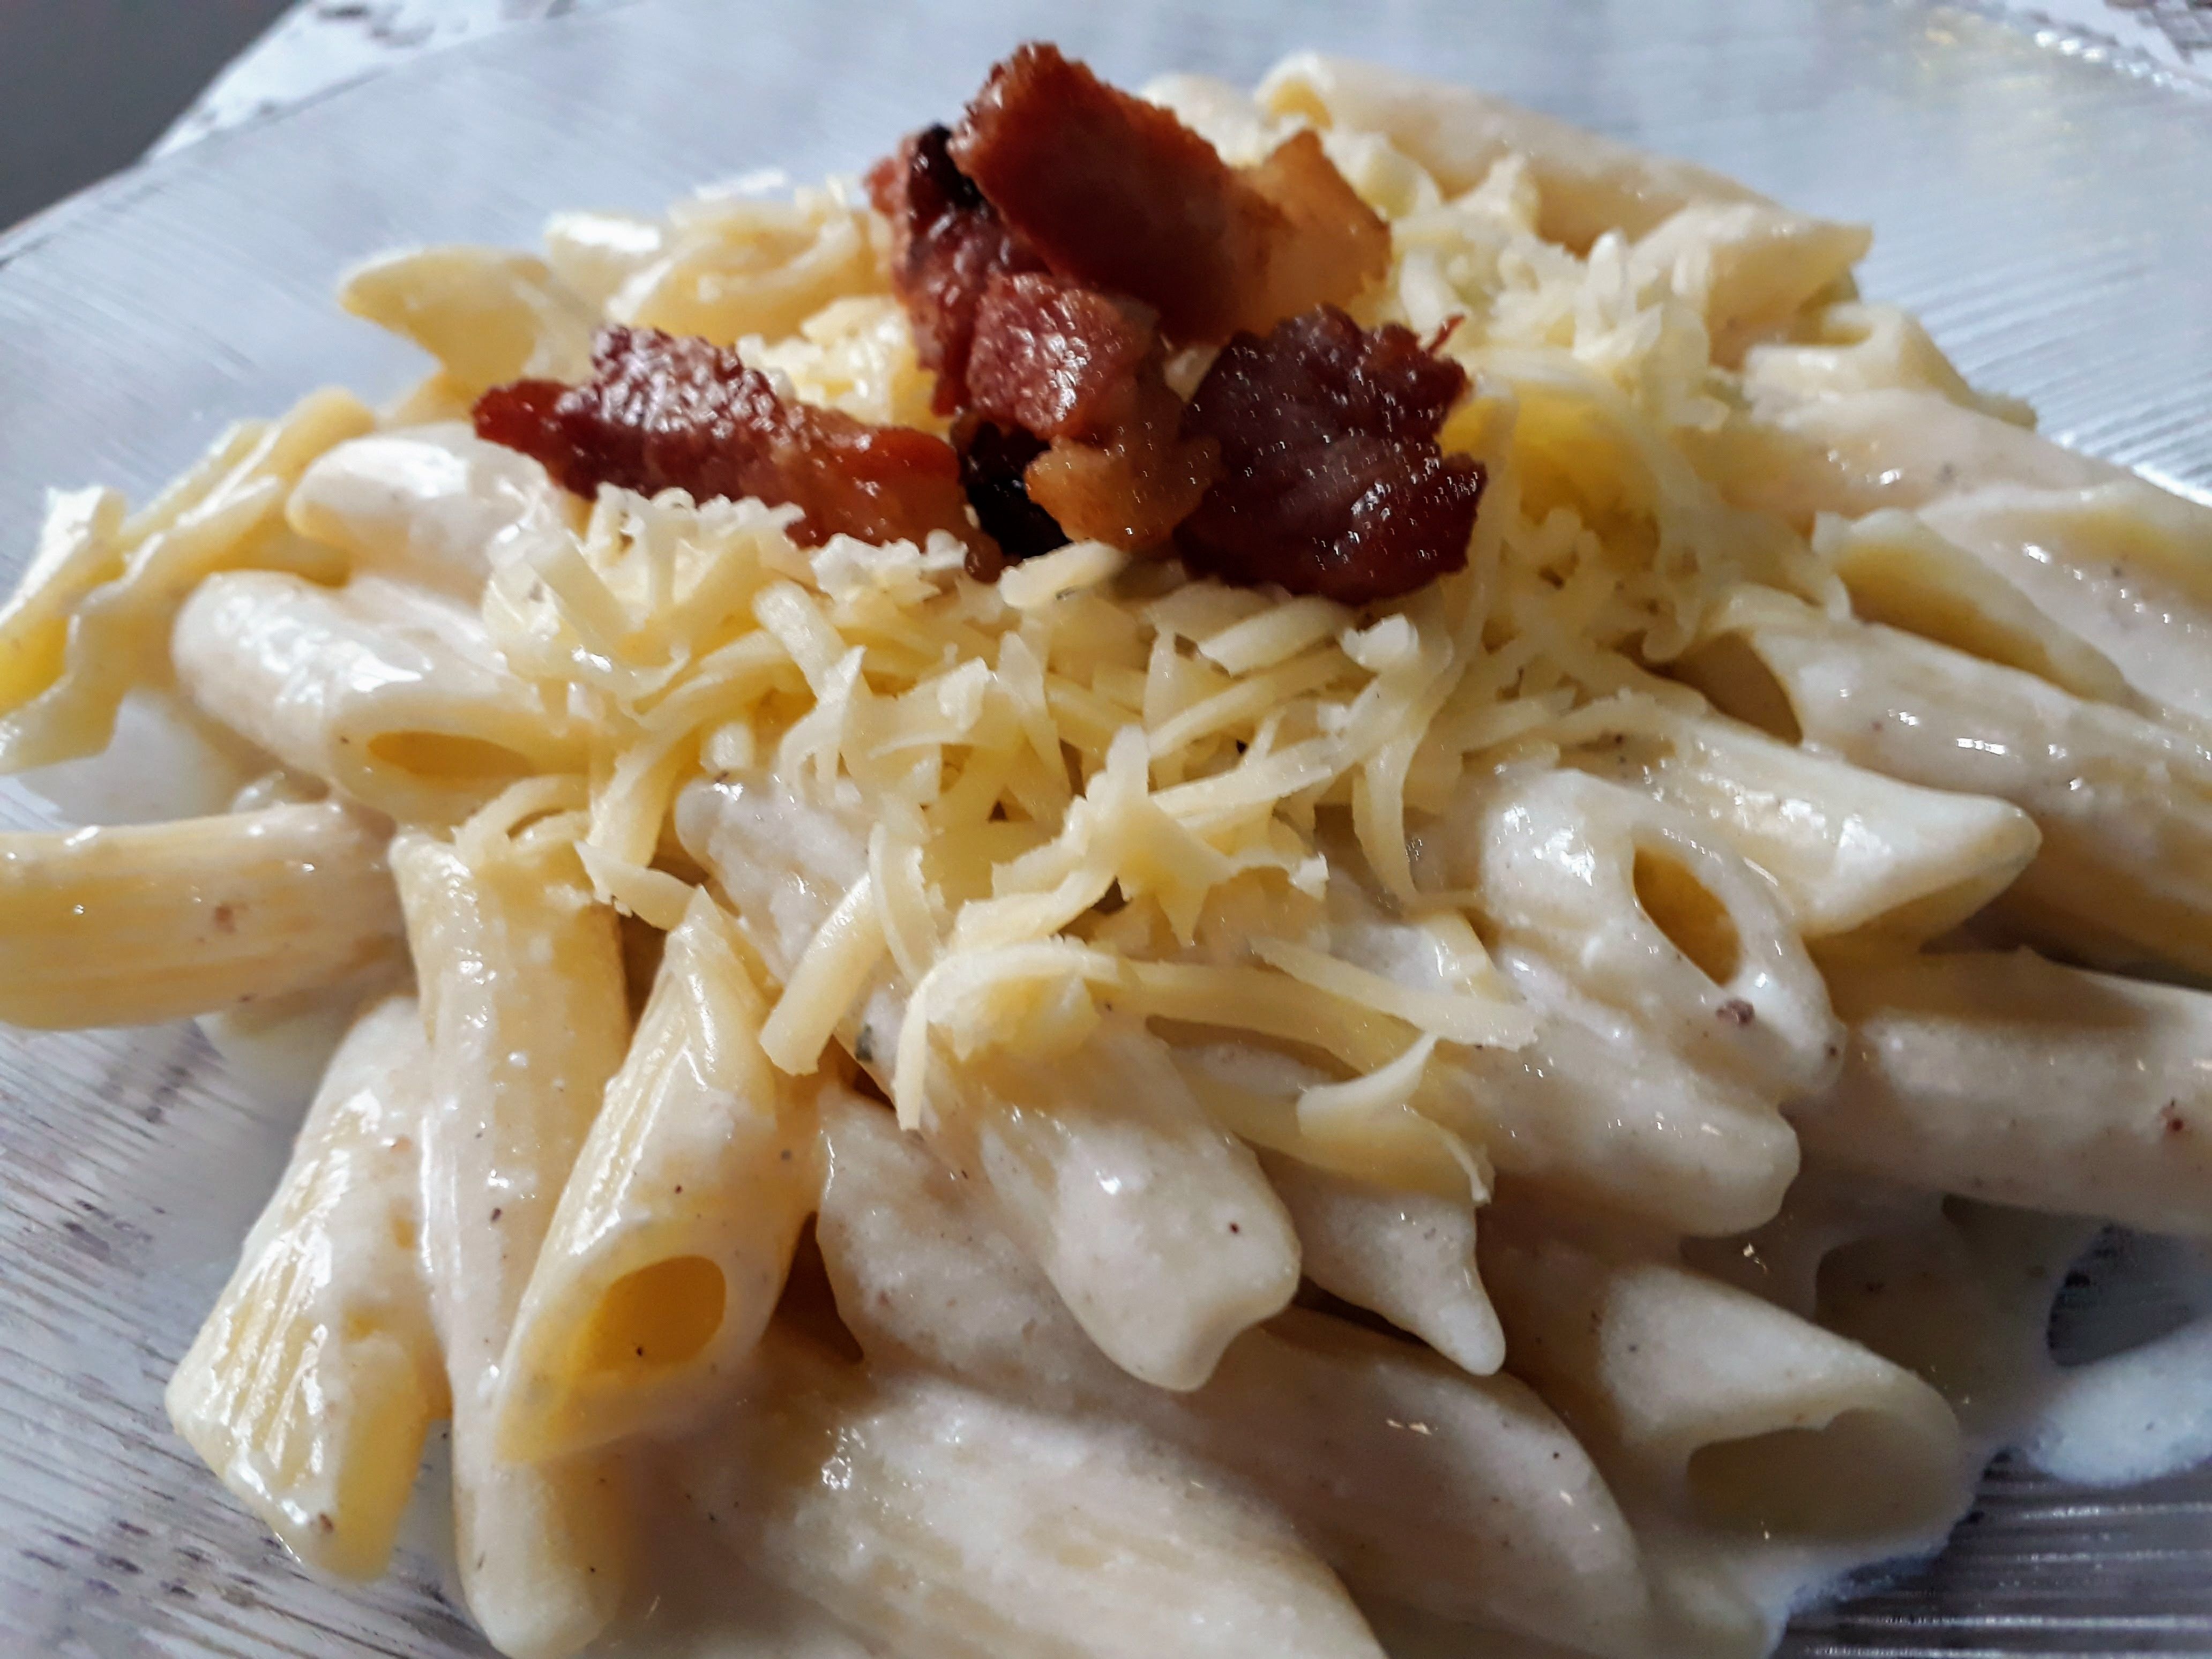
(1096, 788)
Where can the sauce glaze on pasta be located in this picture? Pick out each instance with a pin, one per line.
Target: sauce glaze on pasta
(1541, 1107)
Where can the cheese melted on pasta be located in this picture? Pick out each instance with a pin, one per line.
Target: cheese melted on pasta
(1660, 886)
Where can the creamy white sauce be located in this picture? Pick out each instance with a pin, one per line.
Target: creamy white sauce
(2137, 1415)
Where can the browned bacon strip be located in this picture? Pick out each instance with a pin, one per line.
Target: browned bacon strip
(946, 244)
(661, 412)
(1120, 195)
(1331, 481)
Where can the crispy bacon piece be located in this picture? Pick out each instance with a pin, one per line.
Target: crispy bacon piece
(1055, 357)
(946, 244)
(1331, 481)
(1066, 363)
(1120, 195)
(661, 412)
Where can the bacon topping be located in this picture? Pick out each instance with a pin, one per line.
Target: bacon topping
(1120, 195)
(946, 244)
(1055, 357)
(1332, 480)
(1066, 363)
(992, 460)
(661, 412)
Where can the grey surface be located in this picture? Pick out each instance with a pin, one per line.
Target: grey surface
(2051, 215)
(86, 85)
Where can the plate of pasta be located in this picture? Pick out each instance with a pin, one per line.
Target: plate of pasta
(1225, 851)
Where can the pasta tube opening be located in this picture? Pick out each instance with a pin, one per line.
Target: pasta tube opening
(660, 1315)
(447, 756)
(1729, 671)
(1820, 1479)
(1685, 910)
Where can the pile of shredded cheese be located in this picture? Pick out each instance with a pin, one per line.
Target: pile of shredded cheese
(1095, 778)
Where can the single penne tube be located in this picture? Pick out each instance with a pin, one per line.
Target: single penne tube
(80, 546)
(1589, 184)
(2006, 1078)
(1408, 1256)
(2125, 566)
(1900, 571)
(142, 923)
(1749, 267)
(1853, 852)
(1853, 453)
(1643, 908)
(674, 1232)
(393, 695)
(433, 505)
(1723, 1408)
(1850, 346)
(92, 618)
(488, 315)
(313, 1383)
(1155, 1224)
(521, 979)
(1491, 1511)
(944, 1522)
(2123, 875)
(1601, 1108)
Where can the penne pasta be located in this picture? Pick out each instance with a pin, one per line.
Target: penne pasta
(1855, 453)
(1613, 694)
(1588, 184)
(1854, 854)
(2015, 1080)
(1720, 1407)
(2123, 564)
(1408, 1256)
(944, 1523)
(1749, 267)
(390, 693)
(2124, 871)
(522, 991)
(1781, 1259)
(1641, 909)
(666, 1257)
(435, 505)
(1153, 1223)
(1963, 1300)
(95, 614)
(1901, 572)
(313, 1383)
(1600, 1107)
(1850, 346)
(487, 315)
(1490, 1511)
(143, 923)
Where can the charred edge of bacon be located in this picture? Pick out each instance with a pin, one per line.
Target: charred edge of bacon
(993, 460)
(1331, 481)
